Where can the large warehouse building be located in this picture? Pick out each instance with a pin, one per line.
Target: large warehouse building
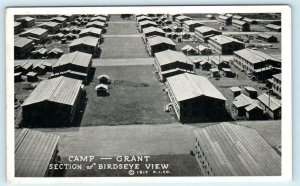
(225, 45)
(158, 43)
(203, 33)
(22, 47)
(86, 44)
(75, 65)
(194, 97)
(232, 150)
(169, 63)
(34, 152)
(53, 103)
(256, 63)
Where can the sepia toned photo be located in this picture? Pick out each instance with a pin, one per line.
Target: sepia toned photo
(157, 94)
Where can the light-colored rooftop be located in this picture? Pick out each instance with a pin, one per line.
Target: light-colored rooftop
(187, 86)
(60, 90)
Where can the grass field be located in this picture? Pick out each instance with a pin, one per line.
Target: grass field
(126, 29)
(123, 47)
(178, 165)
(136, 97)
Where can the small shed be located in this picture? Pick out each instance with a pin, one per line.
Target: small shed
(63, 41)
(32, 77)
(177, 29)
(189, 50)
(240, 103)
(205, 65)
(103, 79)
(227, 72)
(215, 72)
(251, 92)
(236, 91)
(101, 90)
(197, 62)
(18, 76)
(254, 112)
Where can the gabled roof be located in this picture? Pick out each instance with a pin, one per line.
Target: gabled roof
(221, 39)
(143, 17)
(188, 48)
(203, 29)
(252, 106)
(202, 48)
(60, 19)
(75, 58)
(49, 24)
(87, 40)
(187, 86)
(33, 151)
(182, 17)
(147, 22)
(235, 150)
(158, 40)
(35, 31)
(277, 76)
(254, 56)
(91, 30)
(96, 23)
(27, 18)
(170, 56)
(192, 22)
(60, 90)
(273, 26)
(21, 42)
(99, 18)
(242, 100)
(17, 24)
(264, 35)
(239, 22)
(152, 29)
(269, 101)
(223, 17)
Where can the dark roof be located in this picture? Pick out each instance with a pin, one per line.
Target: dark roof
(60, 90)
(33, 152)
(187, 86)
(235, 150)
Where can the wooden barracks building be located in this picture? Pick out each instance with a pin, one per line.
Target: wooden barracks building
(169, 63)
(194, 96)
(261, 65)
(240, 25)
(233, 150)
(52, 103)
(75, 65)
(34, 152)
(203, 33)
(86, 44)
(225, 45)
(158, 44)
